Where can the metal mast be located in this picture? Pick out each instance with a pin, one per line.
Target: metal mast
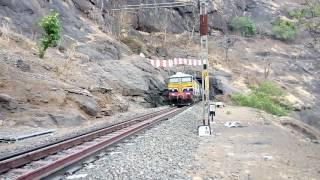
(204, 58)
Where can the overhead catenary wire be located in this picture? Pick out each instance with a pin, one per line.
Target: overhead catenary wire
(155, 5)
(146, 8)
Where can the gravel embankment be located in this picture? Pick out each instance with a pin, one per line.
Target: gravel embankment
(162, 152)
(63, 133)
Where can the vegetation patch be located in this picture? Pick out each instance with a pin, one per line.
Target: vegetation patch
(51, 26)
(308, 19)
(244, 25)
(266, 96)
(284, 29)
(296, 13)
(311, 10)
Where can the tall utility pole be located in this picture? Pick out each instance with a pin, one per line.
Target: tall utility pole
(204, 58)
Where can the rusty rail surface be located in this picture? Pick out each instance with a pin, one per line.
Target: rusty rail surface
(48, 160)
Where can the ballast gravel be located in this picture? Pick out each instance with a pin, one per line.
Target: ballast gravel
(65, 133)
(165, 151)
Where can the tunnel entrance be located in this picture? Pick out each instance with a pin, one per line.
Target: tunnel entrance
(215, 86)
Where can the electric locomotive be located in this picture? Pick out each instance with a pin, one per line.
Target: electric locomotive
(184, 89)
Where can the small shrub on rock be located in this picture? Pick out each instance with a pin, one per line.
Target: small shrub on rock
(284, 29)
(51, 26)
(244, 25)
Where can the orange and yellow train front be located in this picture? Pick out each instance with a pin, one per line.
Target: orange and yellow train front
(182, 89)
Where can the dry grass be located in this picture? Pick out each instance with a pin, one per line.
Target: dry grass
(9, 36)
(68, 66)
(135, 45)
(5, 30)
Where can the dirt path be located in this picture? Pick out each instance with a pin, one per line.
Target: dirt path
(262, 149)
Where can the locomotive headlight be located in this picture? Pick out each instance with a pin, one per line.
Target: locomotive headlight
(173, 90)
(188, 90)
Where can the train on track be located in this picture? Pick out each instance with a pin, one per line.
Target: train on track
(184, 89)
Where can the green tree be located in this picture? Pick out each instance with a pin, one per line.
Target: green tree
(243, 24)
(51, 26)
(284, 29)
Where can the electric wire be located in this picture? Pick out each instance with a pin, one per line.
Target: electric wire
(155, 5)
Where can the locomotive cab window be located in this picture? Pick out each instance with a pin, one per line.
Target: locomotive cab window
(174, 80)
(186, 79)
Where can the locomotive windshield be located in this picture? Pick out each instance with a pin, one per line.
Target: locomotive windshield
(180, 79)
(174, 80)
(186, 79)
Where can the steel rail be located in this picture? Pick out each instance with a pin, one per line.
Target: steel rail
(84, 145)
(81, 153)
(25, 157)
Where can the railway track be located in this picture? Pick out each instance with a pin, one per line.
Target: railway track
(45, 161)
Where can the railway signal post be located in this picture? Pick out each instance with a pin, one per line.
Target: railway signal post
(205, 128)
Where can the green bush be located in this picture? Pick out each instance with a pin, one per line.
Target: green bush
(284, 29)
(269, 88)
(296, 13)
(51, 26)
(266, 96)
(243, 24)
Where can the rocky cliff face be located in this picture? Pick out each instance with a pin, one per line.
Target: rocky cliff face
(74, 13)
(82, 79)
(77, 77)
